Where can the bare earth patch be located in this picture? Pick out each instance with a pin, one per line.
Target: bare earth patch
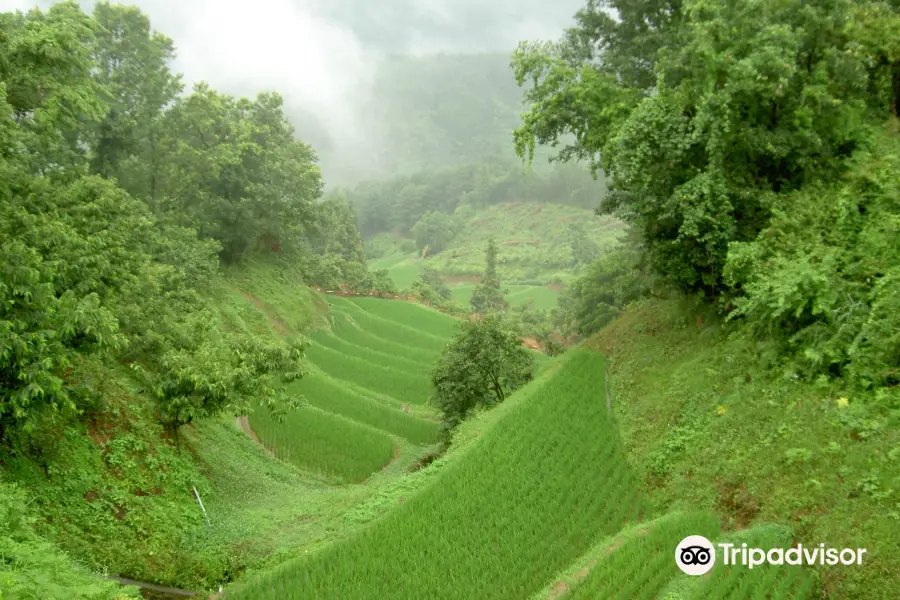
(244, 423)
(560, 589)
(532, 343)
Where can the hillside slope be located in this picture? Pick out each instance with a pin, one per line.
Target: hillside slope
(131, 510)
(543, 482)
(708, 425)
(536, 250)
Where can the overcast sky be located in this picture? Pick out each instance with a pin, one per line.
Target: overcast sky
(320, 54)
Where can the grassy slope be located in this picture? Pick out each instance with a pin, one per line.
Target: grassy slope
(355, 423)
(708, 428)
(116, 493)
(534, 250)
(499, 527)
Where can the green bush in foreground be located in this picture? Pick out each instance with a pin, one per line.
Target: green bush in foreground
(484, 364)
(33, 568)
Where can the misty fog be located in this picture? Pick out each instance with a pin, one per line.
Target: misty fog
(323, 57)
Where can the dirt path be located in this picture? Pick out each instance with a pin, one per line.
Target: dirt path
(159, 589)
(244, 424)
(279, 325)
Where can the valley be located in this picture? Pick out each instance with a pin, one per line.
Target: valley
(517, 324)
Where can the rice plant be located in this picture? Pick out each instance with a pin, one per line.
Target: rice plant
(420, 317)
(391, 330)
(325, 443)
(328, 394)
(542, 486)
(403, 383)
(380, 356)
(347, 329)
(763, 582)
(638, 567)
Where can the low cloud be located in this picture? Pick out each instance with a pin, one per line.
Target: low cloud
(322, 56)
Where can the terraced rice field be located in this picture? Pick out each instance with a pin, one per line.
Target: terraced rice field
(404, 269)
(326, 443)
(542, 297)
(544, 494)
(543, 485)
(367, 391)
(541, 503)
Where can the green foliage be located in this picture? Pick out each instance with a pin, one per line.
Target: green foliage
(554, 509)
(48, 99)
(40, 335)
(487, 297)
(750, 100)
(431, 287)
(434, 232)
(319, 441)
(210, 378)
(598, 296)
(748, 161)
(234, 171)
(823, 277)
(32, 568)
(584, 249)
(118, 199)
(332, 253)
(132, 67)
(483, 365)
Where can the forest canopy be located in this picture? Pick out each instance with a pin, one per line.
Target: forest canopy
(753, 150)
(120, 196)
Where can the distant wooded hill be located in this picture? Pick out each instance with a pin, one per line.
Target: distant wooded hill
(424, 113)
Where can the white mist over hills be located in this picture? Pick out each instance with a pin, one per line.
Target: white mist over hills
(323, 57)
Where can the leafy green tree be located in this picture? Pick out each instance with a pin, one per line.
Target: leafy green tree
(488, 297)
(210, 378)
(699, 150)
(435, 231)
(603, 290)
(382, 283)
(49, 97)
(87, 268)
(481, 367)
(234, 171)
(584, 249)
(332, 252)
(132, 66)
(430, 286)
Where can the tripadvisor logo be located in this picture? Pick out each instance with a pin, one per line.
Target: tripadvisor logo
(696, 555)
